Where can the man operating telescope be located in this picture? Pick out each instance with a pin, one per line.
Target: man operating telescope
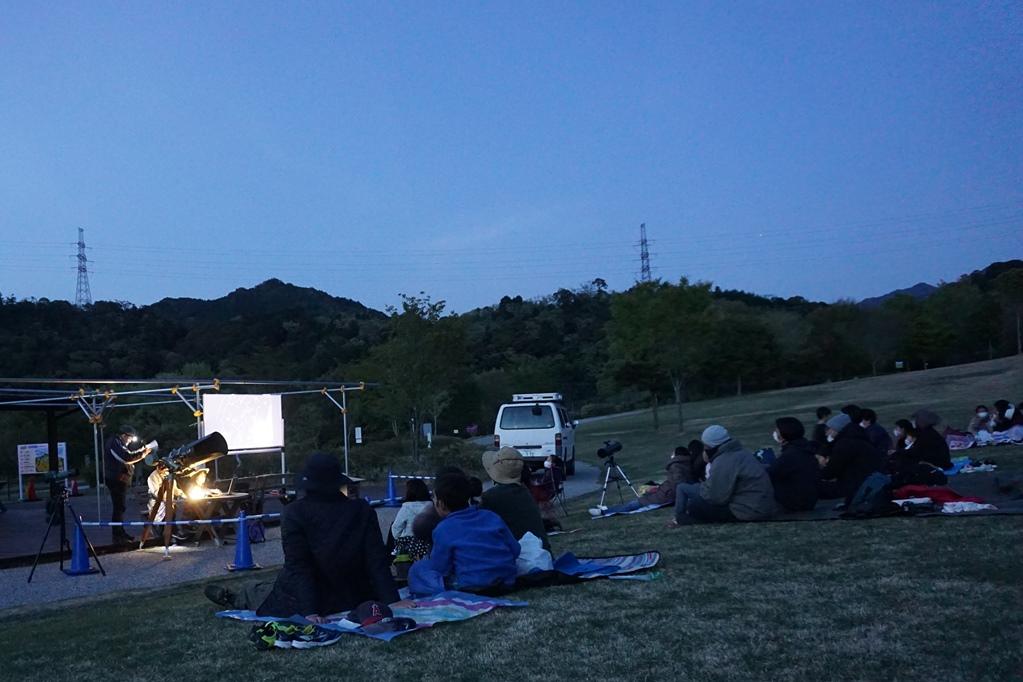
(121, 452)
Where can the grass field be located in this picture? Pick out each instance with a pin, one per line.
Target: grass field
(906, 599)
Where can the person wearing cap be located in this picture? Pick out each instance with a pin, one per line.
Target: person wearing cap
(794, 473)
(473, 550)
(848, 460)
(334, 554)
(508, 498)
(738, 489)
(121, 452)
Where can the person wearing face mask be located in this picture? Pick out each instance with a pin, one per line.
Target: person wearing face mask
(980, 426)
(876, 433)
(739, 489)
(850, 459)
(794, 473)
(679, 469)
(917, 455)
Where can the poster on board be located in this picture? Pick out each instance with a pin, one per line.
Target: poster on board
(34, 458)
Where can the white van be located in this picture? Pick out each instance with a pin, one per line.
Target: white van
(537, 425)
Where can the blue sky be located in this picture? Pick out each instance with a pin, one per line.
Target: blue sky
(472, 150)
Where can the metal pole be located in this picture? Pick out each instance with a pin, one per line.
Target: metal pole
(95, 456)
(344, 425)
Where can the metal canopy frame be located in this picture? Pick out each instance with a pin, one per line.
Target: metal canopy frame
(96, 398)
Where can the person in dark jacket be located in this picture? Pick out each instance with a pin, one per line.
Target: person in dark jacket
(930, 446)
(121, 452)
(334, 555)
(680, 469)
(820, 429)
(508, 498)
(876, 433)
(794, 474)
(850, 458)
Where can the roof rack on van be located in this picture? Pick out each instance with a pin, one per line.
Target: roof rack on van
(536, 397)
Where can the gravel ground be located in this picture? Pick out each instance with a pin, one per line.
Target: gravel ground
(146, 569)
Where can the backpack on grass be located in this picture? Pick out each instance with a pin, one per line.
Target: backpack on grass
(873, 498)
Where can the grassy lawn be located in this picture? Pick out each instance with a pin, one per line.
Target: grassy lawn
(907, 599)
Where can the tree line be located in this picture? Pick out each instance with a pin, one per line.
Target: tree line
(658, 342)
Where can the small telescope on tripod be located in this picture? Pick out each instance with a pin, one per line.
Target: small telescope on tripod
(607, 453)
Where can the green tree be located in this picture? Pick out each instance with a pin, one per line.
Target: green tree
(1009, 286)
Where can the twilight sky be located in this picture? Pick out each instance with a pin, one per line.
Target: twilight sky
(477, 149)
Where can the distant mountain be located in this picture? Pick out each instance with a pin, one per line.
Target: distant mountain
(985, 278)
(272, 297)
(919, 291)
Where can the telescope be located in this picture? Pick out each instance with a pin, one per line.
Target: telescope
(193, 455)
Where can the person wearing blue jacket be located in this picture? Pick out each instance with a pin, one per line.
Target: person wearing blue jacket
(472, 547)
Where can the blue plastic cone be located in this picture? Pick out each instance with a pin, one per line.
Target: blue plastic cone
(80, 555)
(242, 551)
(392, 495)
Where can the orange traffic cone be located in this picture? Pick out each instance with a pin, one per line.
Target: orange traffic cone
(31, 494)
(74, 488)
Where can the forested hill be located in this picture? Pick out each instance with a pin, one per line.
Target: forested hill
(272, 297)
(605, 350)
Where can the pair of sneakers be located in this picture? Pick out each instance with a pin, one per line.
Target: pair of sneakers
(597, 511)
(284, 635)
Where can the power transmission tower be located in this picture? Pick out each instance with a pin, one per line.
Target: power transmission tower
(644, 255)
(83, 295)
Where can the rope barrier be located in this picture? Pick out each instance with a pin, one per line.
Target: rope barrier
(197, 522)
(422, 478)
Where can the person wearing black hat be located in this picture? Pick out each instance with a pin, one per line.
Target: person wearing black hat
(334, 554)
(121, 452)
(795, 473)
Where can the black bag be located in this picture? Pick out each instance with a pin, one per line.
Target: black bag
(872, 499)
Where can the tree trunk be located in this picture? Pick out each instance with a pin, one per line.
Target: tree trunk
(657, 419)
(1019, 334)
(676, 385)
(873, 367)
(738, 385)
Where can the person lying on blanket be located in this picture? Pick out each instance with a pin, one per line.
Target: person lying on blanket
(472, 548)
(334, 555)
(681, 468)
(737, 489)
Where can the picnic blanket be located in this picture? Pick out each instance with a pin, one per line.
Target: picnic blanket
(446, 607)
(588, 568)
(649, 507)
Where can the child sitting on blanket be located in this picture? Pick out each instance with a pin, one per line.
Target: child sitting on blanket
(417, 498)
(472, 548)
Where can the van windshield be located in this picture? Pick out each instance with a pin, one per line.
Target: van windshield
(527, 417)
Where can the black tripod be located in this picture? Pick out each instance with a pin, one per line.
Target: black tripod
(611, 466)
(60, 499)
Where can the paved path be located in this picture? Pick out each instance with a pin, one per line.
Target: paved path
(129, 572)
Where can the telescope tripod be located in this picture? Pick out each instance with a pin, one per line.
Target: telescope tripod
(164, 496)
(58, 512)
(611, 466)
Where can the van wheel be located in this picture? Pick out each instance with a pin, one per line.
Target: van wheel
(570, 466)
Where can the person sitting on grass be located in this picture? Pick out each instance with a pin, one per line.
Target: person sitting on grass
(848, 460)
(820, 429)
(417, 498)
(508, 498)
(679, 469)
(795, 472)
(980, 425)
(473, 550)
(930, 446)
(334, 556)
(427, 520)
(876, 434)
(737, 489)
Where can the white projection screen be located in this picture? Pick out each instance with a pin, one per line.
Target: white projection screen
(247, 422)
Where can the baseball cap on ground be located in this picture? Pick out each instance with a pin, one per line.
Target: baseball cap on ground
(715, 435)
(504, 465)
(369, 612)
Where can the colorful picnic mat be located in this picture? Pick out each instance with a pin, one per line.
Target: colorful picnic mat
(586, 568)
(446, 607)
(649, 507)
